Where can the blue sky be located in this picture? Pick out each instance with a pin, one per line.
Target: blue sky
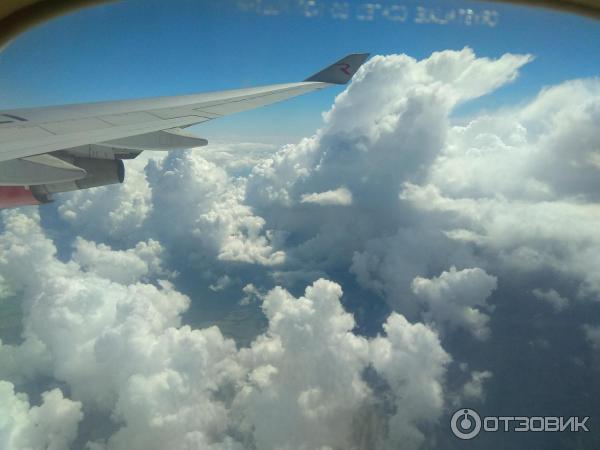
(146, 48)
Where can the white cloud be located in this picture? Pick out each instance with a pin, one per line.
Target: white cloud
(412, 361)
(340, 196)
(194, 198)
(238, 159)
(541, 150)
(220, 284)
(120, 348)
(176, 196)
(592, 334)
(404, 106)
(473, 389)
(120, 266)
(522, 184)
(305, 372)
(383, 86)
(307, 375)
(457, 298)
(560, 235)
(552, 297)
(118, 209)
(388, 265)
(22, 363)
(51, 425)
(251, 293)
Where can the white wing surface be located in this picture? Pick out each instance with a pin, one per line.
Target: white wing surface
(79, 139)
(28, 132)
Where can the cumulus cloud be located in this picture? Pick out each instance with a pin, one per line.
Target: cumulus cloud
(121, 349)
(522, 184)
(592, 335)
(251, 293)
(474, 388)
(340, 196)
(238, 159)
(396, 137)
(208, 206)
(456, 298)
(52, 425)
(120, 266)
(172, 198)
(558, 235)
(220, 284)
(307, 374)
(117, 209)
(70, 309)
(541, 151)
(416, 350)
(553, 298)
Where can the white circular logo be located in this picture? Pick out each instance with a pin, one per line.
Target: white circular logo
(465, 423)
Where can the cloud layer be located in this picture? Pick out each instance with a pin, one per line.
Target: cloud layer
(118, 345)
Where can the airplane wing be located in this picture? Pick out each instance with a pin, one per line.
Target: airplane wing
(58, 147)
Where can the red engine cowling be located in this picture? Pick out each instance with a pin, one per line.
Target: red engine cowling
(100, 172)
(13, 196)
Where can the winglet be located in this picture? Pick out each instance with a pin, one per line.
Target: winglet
(342, 71)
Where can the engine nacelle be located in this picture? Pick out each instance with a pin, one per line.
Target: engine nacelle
(14, 196)
(100, 172)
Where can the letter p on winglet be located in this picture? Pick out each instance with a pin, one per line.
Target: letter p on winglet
(342, 71)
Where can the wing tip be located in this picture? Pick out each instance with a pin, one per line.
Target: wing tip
(341, 71)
